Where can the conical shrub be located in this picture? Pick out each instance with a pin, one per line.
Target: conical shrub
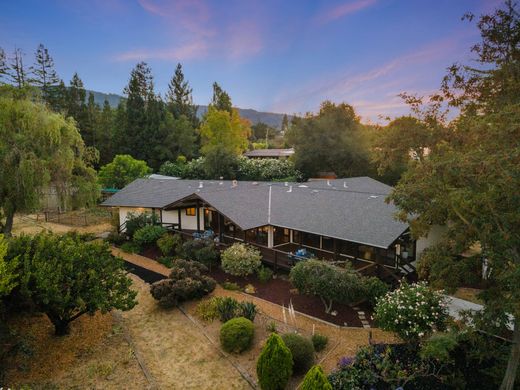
(274, 366)
(315, 379)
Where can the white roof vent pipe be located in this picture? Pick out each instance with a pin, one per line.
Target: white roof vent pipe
(345, 184)
(286, 183)
(201, 184)
(328, 183)
(234, 183)
(290, 189)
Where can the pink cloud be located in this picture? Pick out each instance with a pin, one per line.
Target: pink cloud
(350, 7)
(193, 50)
(244, 40)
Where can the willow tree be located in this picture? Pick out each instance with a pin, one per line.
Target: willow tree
(470, 181)
(38, 150)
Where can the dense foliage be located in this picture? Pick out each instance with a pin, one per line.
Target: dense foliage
(274, 365)
(123, 170)
(8, 269)
(302, 351)
(66, 277)
(412, 311)
(330, 283)
(39, 150)
(148, 235)
(169, 244)
(136, 221)
(201, 250)
(315, 379)
(185, 282)
(241, 260)
(236, 335)
(319, 341)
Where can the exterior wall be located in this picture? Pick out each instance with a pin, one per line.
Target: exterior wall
(433, 237)
(170, 216)
(188, 222)
(123, 212)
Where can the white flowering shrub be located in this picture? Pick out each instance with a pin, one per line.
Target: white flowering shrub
(241, 260)
(412, 311)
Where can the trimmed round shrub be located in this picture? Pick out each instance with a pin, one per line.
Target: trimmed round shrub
(148, 235)
(241, 260)
(319, 341)
(302, 351)
(274, 366)
(264, 274)
(201, 250)
(237, 334)
(412, 311)
(315, 379)
(376, 289)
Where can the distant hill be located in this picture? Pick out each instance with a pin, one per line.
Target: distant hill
(269, 118)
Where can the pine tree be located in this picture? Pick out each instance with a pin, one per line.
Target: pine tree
(274, 366)
(76, 95)
(179, 97)
(90, 125)
(3, 66)
(315, 379)
(221, 100)
(285, 124)
(106, 134)
(58, 97)
(17, 72)
(45, 75)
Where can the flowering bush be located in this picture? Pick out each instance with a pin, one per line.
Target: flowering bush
(241, 260)
(412, 311)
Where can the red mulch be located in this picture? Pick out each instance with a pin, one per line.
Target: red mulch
(281, 291)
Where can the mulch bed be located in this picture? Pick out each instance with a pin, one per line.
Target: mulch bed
(281, 291)
(152, 252)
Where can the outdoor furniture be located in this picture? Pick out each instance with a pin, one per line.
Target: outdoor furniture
(207, 234)
(300, 254)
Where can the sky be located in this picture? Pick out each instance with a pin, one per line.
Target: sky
(283, 56)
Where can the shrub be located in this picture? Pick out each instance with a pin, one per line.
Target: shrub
(412, 311)
(271, 327)
(148, 235)
(315, 379)
(169, 244)
(319, 341)
(231, 286)
(376, 288)
(201, 250)
(227, 308)
(241, 260)
(302, 351)
(330, 283)
(236, 335)
(184, 283)
(207, 310)
(116, 238)
(136, 221)
(166, 261)
(264, 274)
(130, 247)
(247, 310)
(274, 366)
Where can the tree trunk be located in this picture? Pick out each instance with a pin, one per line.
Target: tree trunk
(328, 305)
(9, 216)
(61, 326)
(514, 358)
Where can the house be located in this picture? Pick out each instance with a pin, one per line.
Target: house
(281, 154)
(338, 220)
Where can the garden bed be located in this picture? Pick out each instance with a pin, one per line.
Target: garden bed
(280, 291)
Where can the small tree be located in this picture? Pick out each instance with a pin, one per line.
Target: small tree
(8, 269)
(330, 283)
(412, 311)
(315, 379)
(274, 366)
(123, 170)
(241, 260)
(69, 277)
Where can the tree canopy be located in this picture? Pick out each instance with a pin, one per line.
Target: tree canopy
(123, 170)
(38, 149)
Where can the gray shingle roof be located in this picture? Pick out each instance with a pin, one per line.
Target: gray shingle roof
(269, 153)
(352, 209)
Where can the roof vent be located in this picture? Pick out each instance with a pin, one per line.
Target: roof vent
(290, 189)
(220, 183)
(201, 184)
(345, 184)
(255, 183)
(303, 186)
(234, 183)
(328, 183)
(286, 183)
(314, 191)
(373, 197)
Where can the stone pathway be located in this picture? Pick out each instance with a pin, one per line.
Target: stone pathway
(362, 317)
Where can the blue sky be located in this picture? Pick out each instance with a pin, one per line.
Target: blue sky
(282, 56)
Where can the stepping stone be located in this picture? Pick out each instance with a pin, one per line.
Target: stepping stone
(366, 326)
(361, 312)
(362, 317)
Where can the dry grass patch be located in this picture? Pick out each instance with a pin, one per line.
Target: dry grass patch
(469, 294)
(95, 355)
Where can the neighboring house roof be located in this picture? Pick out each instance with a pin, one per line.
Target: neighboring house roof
(352, 209)
(274, 153)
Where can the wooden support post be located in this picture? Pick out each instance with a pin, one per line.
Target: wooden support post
(179, 216)
(335, 243)
(197, 213)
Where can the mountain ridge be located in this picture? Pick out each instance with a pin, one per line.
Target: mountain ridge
(272, 119)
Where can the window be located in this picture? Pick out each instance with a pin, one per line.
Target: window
(190, 211)
(327, 243)
(312, 240)
(281, 235)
